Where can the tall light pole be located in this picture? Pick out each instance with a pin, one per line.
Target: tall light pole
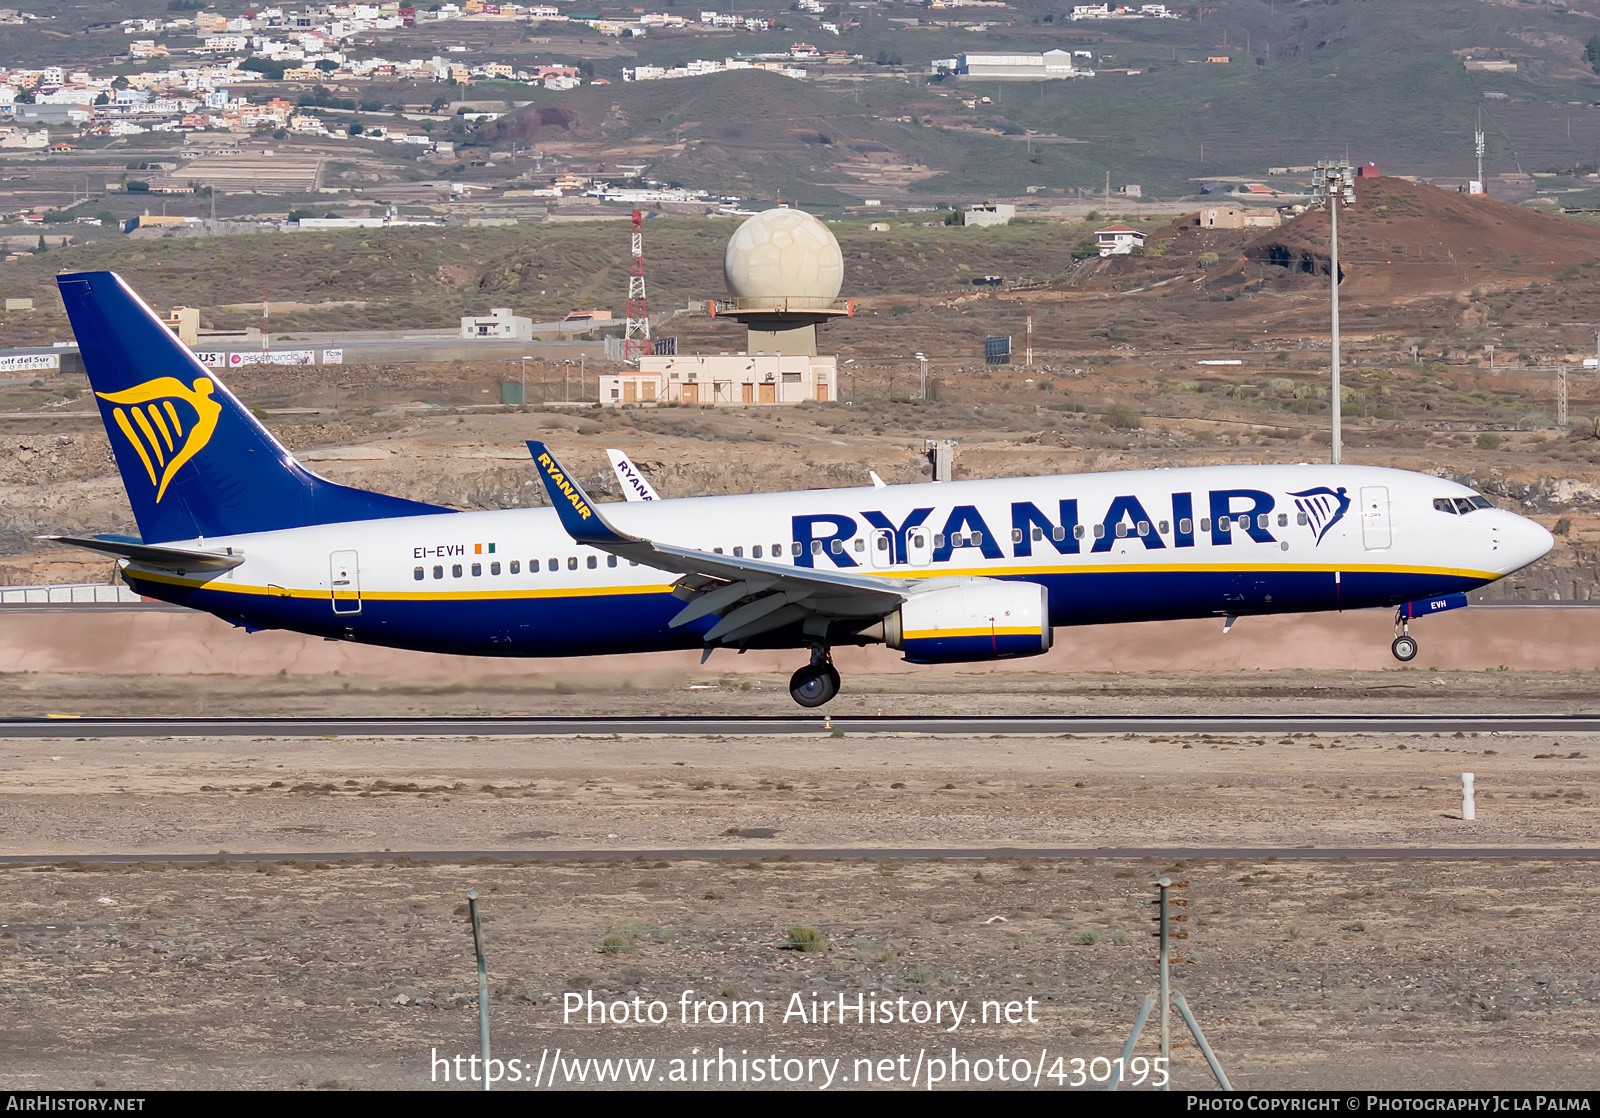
(1335, 184)
(922, 382)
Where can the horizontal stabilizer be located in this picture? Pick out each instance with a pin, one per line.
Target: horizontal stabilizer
(161, 558)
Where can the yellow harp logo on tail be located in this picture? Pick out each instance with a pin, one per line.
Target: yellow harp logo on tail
(166, 423)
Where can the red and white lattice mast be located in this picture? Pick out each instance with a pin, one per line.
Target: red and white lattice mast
(636, 336)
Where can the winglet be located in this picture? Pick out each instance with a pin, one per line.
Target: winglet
(579, 516)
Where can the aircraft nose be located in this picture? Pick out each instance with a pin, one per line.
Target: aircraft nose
(1523, 542)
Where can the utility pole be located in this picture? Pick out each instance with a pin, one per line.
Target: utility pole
(1335, 184)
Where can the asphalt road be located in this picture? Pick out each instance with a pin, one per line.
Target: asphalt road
(746, 726)
(1113, 853)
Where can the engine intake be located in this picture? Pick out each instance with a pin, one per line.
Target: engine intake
(975, 619)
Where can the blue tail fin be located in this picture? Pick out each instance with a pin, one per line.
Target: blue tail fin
(194, 460)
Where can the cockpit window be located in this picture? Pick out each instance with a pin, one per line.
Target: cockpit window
(1461, 505)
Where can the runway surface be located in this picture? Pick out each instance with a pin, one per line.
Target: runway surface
(66, 726)
(1110, 853)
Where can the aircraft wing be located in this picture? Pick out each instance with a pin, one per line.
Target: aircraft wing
(161, 558)
(634, 486)
(748, 596)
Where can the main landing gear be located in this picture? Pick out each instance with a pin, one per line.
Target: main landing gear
(816, 683)
(1405, 645)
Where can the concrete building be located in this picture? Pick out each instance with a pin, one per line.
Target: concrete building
(725, 379)
(498, 323)
(1118, 240)
(1019, 67)
(990, 213)
(184, 322)
(1237, 217)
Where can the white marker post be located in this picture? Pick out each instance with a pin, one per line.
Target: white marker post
(1469, 806)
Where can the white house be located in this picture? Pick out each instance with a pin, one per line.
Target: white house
(1118, 240)
(498, 323)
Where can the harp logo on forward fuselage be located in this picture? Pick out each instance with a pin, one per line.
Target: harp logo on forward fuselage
(166, 423)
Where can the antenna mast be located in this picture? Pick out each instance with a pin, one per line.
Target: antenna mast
(1477, 138)
(636, 336)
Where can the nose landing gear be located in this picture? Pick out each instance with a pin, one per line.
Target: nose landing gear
(1405, 645)
(816, 683)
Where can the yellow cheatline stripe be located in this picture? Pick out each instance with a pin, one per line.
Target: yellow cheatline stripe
(399, 596)
(127, 429)
(1186, 568)
(1009, 631)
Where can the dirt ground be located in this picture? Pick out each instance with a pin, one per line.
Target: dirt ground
(1393, 974)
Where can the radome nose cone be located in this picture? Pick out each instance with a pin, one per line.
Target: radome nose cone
(1525, 542)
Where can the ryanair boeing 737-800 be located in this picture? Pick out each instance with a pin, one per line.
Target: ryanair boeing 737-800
(231, 524)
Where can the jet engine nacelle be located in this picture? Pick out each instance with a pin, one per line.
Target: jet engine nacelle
(973, 619)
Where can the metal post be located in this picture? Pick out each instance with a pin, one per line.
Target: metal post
(583, 373)
(1561, 397)
(1469, 798)
(483, 983)
(1166, 985)
(1338, 434)
(1133, 1038)
(524, 400)
(1200, 1039)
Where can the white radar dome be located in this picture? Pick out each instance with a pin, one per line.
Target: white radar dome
(783, 254)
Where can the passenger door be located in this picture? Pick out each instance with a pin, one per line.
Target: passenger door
(1375, 533)
(345, 581)
(882, 544)
(919, 546)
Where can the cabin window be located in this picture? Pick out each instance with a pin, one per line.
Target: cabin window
(1300, 518)
(1122, 530)
(1261, 521)
(883, 543)
(1186, 526)
(438, 572)
(1077, 532)
(516, 566)
(716, 551)
(738, 552)
(816, 547)
(777, 550)
(1224, 524)
(938, 540)
(417, 574)
(477, 570)
(1058, 533)
(861, 545)
(611, 560)
(572, 562)
(796, 546)
(974, 539)
(1205, 524)
(755, 552)
(594, 561)
(455, 571)
(1283, 520)
(1444, 504)
(1099, 531)
(494, 568)
(1144, 527)
(555, 564)
(836, 546)
(1016, 535)
(1163, 527)
(1464, 506)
